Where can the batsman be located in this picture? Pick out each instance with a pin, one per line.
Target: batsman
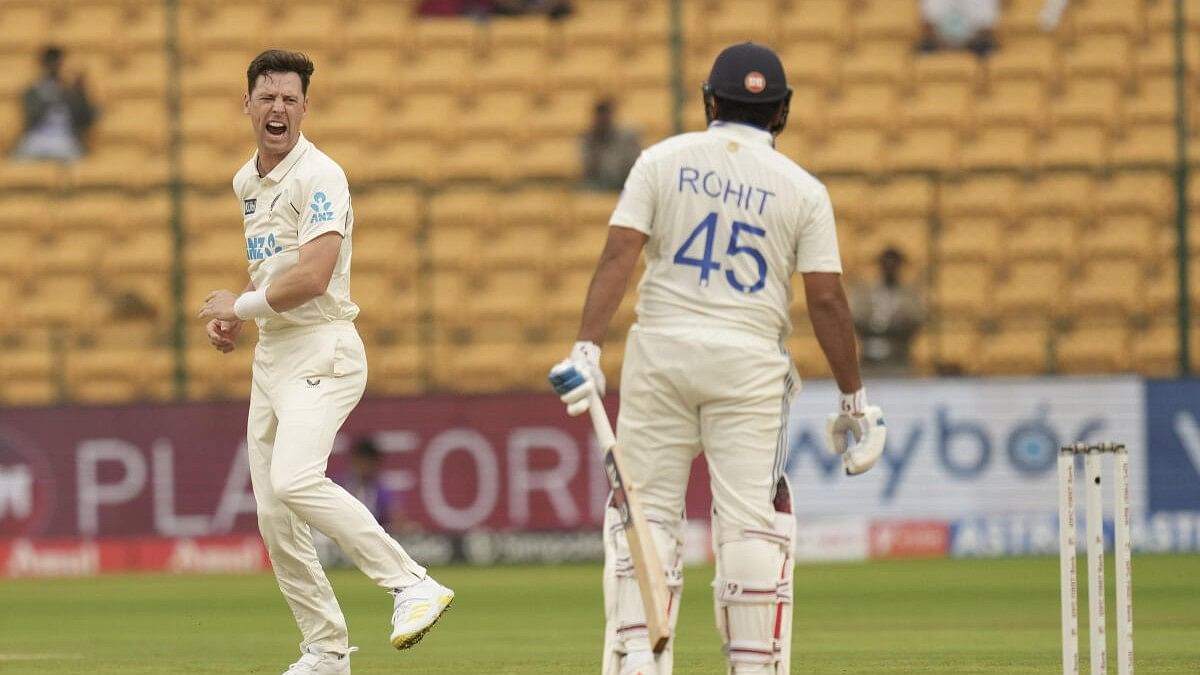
(724, 221)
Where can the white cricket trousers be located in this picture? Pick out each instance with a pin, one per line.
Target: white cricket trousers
(726, 391)
(306, 381)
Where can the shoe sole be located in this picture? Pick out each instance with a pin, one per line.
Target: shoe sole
(407, 641)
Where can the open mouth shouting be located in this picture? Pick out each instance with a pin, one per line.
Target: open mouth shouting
(276, 129)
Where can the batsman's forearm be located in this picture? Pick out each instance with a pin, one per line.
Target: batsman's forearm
(603, 298)
(834, 328)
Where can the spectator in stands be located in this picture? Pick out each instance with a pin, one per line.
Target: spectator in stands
(57, 113)
(554, 9)
(959, 24)
(364, 480)
(887, 315)
(474, 8)
(608, 150)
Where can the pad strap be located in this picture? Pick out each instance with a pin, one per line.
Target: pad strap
(735, 592)
(746, 651)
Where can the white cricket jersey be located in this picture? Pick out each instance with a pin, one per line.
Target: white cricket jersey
(303, 197)
(729, 220)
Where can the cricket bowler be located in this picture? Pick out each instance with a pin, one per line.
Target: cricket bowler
(724, 221)
(310, 371)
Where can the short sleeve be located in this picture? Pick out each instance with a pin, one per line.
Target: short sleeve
(817, 245)
(327, 206)
(635, 207)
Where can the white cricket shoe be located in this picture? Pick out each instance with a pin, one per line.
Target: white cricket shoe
(417, 608)
(316, 662)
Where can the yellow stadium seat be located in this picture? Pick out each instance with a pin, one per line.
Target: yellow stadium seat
(579, 246)
(76, 253)
(1145, 144)
(1042, 238)
(446, 34)
(454, 248)
(133, 123)
(1125, 18)
(119, 375)
(1030, 57)
(959, 67)
(950, 349)
(1161, 297)
(514, 248)
(1073, 147)
(124, 166)
(925, 149)
(24, 29)
(869, 106)
(533, 207)
(816, 20)
(1020, 19)
(213, 375)
(408, 159)
(62, 299)
(980, 195)
(904, 196)
(646, 110)
(476, 368)
(1013, 103)
(148, 251)
(999, 148)
(593, 23)
(210, 166)
(563, 114)
(28, 376)
(1155, 58)
(648, 67)
(1155, 350)
(1093, 349)
(1154, 102)
(1031, 289)
(548, 158)
(941, 105)
(883, 20)
(381, 301)
(348, 116)
(878, 62)
(480, 159)
(811, 63)
(396, 370)
(853, 198)
(496, 114)
(375, 24)
(1109, 56)
(386, 209)
(1087, 101)
(138, 75)
(1107, 288)
(1115, 236)
(587, 68)
(16, 252)
(89, 28)
(510, 298)
(738, 21)
(850, 150)
(304, 26)
(1144, 192)
(205, 26)
(564, 302)
(384, 249)
(461, 209)
(210, 119)
(967, 239)
(444, 70)
(807, 355)
(1071, 194)
(1021, 348)
(515, 68)
(807, 116)
(963, 289)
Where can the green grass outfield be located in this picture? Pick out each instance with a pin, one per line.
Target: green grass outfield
(943, 616)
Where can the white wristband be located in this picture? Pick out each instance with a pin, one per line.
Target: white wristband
(253, 305)
(853, 404)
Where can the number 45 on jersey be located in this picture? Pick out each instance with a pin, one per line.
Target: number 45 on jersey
(706, 263)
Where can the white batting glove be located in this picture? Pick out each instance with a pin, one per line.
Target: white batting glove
(576, 377)
(863, 422)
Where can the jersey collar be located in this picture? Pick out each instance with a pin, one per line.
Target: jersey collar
(282, 168)
(741, 132)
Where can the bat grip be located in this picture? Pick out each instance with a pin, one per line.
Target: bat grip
(600, 423)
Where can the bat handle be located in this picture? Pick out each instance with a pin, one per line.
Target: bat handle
(603, 428)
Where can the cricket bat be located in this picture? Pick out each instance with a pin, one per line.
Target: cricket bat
(647, 568)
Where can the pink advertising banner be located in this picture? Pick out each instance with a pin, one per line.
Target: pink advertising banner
(502, 463)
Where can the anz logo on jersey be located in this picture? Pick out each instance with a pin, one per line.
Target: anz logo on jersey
(322, 209)
(261, 248)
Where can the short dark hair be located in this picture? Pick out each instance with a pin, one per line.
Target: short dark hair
(280, 61)
(51, 54)
(760, 115)
(366, 448)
